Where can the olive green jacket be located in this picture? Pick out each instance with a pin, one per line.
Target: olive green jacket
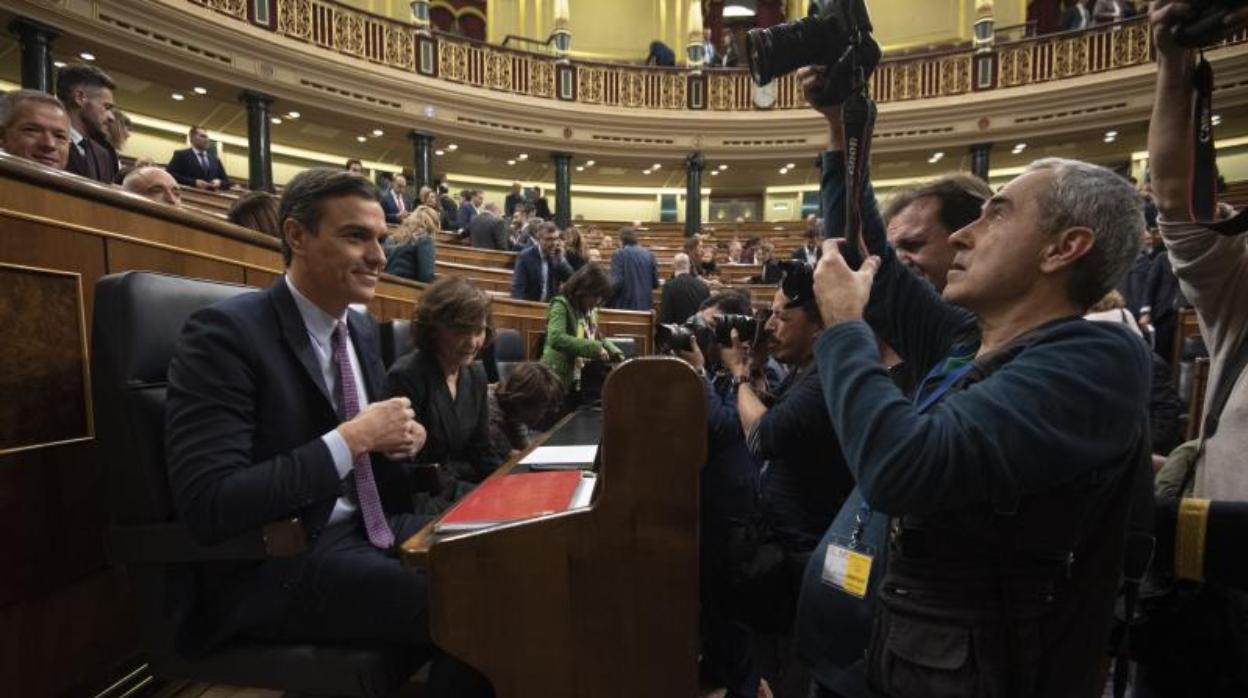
(563, 347)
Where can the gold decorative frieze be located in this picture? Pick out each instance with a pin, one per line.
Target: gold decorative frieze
(393, 43)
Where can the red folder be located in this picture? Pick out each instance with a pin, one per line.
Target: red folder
(515, 497)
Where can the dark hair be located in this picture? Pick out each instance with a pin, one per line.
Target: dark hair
(691, 245)
(257, 210)
(194, 128)
(544, 227)
(960, 197)
(303, 196)
(589, 285)
(352, 161)
(628, 236)
(529, 393)
(451, 302)
(76, 76)
(732, 301)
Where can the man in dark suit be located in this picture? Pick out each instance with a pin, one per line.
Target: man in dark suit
(395, 201)
(540, 268)
(811, 251)
(273, 412)
(87, 93)
(471, 199)
(487, 230)
(197, 166)
(514, 199)
(634, 272)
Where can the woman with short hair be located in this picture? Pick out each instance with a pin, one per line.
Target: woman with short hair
(449, 392)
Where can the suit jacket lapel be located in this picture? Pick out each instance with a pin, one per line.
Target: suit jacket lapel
(296, 335)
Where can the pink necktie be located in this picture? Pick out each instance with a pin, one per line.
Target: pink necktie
(379, 533)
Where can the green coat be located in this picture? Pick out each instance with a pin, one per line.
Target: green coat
(562, 347)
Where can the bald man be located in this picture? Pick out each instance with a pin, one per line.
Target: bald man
(153, 183)
(35, 126)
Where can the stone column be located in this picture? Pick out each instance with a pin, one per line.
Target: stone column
(563, 189)
(36, 40)
(259, 157)
(422, 162)
(980, 156)
(694, 165)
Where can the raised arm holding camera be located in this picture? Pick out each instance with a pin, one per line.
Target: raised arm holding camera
(1006, 475)
(1198, 647)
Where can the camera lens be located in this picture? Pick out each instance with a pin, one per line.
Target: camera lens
(782, 49)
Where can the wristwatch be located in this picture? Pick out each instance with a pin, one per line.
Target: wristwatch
(738, 381)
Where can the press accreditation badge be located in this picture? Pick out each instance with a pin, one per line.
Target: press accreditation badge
(847, 568)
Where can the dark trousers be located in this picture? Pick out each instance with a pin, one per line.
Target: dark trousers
(345, 590)
(1201, 650)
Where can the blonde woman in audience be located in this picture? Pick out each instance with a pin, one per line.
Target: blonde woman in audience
(734, 252)
(116, 133)
(410, 251)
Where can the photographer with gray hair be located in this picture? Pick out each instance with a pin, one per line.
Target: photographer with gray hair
(1004, 479)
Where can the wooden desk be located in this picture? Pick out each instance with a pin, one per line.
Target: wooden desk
(599, 602)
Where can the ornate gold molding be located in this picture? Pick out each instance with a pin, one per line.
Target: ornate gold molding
(383, 40)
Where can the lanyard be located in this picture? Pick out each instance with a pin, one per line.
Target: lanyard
(863, 517)
(945, 385)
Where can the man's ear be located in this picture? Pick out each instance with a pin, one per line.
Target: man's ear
(1067, 247)
(296, 236)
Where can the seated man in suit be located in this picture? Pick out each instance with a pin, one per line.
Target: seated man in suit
(488, 230)
(540, 268)
(274, 411)
(197, 166)
(87, 94)
(153, 183)
(34, 126)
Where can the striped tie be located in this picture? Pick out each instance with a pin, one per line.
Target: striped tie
(379, 533)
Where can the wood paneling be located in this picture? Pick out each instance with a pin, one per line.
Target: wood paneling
(128, 256)
(43, 375)
(599, 602)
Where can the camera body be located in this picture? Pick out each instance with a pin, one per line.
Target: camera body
(836, 34)
(681, 337)
(1207, 23)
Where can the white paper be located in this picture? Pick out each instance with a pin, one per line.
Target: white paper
(561, 455)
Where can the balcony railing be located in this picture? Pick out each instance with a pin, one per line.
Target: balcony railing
(382, 40)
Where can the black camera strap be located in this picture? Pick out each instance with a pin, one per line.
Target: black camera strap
(858, 120)
(1205, 171)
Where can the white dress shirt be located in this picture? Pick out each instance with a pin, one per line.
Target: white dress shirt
(320, 325)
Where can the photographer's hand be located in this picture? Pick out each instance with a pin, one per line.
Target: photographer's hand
(734, 357)
(811, 79)
(693, 357)
(841, 292)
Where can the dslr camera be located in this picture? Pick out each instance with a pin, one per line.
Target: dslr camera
(1207, 24)
(836, 34)
(681, 337)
